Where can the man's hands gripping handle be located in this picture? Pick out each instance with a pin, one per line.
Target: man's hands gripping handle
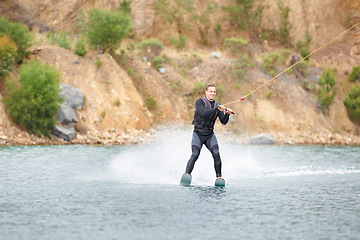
(226, 110)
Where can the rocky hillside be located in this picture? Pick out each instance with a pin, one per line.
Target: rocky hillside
(115, 99)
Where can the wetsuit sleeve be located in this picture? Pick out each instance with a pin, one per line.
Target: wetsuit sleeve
(203, 112)
(224, 117)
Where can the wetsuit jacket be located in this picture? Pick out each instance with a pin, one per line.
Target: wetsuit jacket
(205, 116)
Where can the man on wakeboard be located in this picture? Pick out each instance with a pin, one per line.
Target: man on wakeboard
(207, 109)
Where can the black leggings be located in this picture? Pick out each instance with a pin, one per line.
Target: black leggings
(211, 143)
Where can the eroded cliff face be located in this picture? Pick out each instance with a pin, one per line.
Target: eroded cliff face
(321, 18)
(114, 100)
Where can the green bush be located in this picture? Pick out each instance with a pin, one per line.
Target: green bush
(268, 34)
(327, 91)
(285, 26)
(308, 85)
(162, 10)
(218, 29)
(35, 104)
(125, 6)
(150, 103)
(245, 14)
(355, 74)
(105, 29)
(179, 42)
(158, 62)
(269, 94)
(151, 48)
(304, 52)
(327, 80)
(302, 67)
(117, 102)
(19, 34)
(273, 60)
(7, 55)
(175, 12)
(60, 39)
(303, 47)
(198, 89)
(235, 45)
(219, 93)
(98, 63)
(352, 103)
(80, 48)
(168, 60)
(241, 66)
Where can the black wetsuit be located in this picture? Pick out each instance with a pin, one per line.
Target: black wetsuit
(206, 113)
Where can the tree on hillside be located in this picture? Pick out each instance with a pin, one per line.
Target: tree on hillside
(105, 29)
(352, 103)
(35, 103)
(125, 6)
(7, 55)
(19, 34)
(355, 74)
(327, 91)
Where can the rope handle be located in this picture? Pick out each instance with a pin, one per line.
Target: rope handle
(225, 108)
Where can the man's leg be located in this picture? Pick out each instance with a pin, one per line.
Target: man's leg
(195, 148)
(212, 145)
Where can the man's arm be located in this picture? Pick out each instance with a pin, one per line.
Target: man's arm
(224, 117)
(203, 112)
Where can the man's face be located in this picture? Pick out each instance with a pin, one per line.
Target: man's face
(210, 93)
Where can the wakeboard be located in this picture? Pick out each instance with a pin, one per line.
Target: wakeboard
(185, 179)
(219, 182)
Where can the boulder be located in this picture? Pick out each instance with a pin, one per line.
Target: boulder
(67, 134)
(262, 139)
(72, 96)
(215, 55)
(66, 114)
(73, 99)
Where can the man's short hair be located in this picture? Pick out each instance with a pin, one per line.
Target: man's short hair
(210, 85)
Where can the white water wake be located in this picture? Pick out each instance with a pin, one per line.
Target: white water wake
(163, 161)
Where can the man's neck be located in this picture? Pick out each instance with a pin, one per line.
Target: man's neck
(209, 99)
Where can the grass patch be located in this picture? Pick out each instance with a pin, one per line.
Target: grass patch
(117, 102)
(60, 39)
(179, 42)
(150, 103)
(241, 67)
(273, 60)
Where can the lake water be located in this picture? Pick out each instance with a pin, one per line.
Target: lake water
(133, 192)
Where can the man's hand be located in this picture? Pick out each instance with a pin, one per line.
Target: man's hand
(225, 110)
(228, 110)
(222, 108)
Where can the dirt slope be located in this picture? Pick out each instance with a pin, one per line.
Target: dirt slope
(114, 100)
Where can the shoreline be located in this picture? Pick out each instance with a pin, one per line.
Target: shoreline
(132, 137)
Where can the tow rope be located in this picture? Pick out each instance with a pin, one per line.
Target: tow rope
(243, 98)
